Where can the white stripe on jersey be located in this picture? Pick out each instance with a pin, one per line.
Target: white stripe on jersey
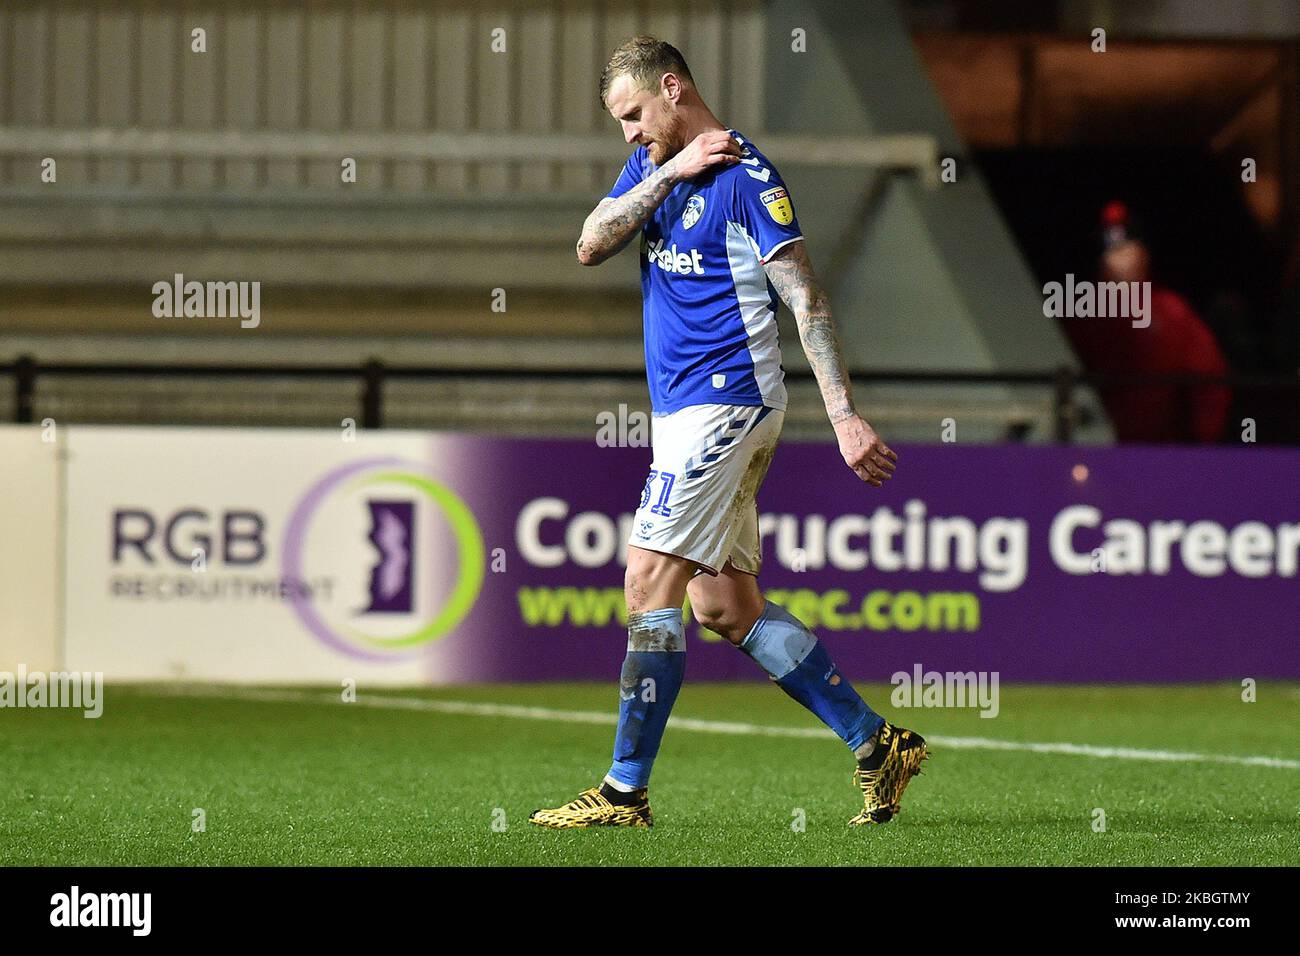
(756, 312)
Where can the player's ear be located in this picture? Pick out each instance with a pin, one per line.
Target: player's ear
(671, 87)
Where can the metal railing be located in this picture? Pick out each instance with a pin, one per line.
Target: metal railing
(904, 152)
(372, 375)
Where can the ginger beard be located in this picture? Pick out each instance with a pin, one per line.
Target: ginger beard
(668, 141)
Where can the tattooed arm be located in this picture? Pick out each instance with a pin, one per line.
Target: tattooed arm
(614, 222)
(791, 273)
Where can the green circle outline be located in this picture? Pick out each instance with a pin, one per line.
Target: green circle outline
(469, 544)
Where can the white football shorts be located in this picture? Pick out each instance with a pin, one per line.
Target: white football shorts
(699, 501)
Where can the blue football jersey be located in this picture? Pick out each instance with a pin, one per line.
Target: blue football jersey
(710, 313)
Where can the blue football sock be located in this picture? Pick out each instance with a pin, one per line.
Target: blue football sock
(652, 676)
(797, 661)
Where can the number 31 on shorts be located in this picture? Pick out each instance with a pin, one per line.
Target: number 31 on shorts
(666, 479)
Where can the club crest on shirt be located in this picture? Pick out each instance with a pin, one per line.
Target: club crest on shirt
(693, 211)
(777, 203)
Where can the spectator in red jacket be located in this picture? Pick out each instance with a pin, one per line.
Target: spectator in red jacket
(1176, 341)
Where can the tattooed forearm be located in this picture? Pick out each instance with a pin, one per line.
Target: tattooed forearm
(614, 222)
(791, 274)
(822, 346)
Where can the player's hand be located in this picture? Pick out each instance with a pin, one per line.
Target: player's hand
(709, 149)
(864, 451)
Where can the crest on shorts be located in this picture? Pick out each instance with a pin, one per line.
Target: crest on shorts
(693, 211)
(777, 202)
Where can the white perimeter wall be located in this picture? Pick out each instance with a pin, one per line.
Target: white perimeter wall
(29, 548)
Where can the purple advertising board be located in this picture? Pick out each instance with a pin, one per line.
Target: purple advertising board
(1052, 564)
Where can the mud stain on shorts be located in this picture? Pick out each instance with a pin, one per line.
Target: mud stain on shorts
(747, 490)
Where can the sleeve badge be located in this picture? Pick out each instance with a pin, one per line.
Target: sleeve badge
(777, 203)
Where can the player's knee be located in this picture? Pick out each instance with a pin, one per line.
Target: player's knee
(718, 618)
(642, 588)
(707, 615)
(634, 589)
(653, 581)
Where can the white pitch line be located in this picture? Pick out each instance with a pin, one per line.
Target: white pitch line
(464, 707)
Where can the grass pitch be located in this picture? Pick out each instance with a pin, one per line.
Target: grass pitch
(306, 779)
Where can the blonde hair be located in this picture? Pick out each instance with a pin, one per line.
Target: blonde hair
(646, 60)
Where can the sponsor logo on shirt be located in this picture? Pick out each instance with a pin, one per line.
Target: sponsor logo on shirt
(777, 203)
(670, 260)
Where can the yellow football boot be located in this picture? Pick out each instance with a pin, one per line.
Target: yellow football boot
(591, 809)
(895, 761)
